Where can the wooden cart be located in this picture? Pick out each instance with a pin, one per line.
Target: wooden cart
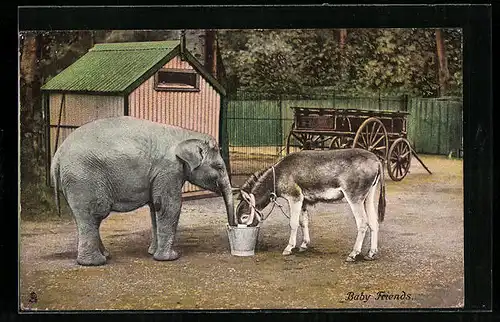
(381, 132)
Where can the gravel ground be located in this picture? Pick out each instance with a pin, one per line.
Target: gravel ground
(420, 259)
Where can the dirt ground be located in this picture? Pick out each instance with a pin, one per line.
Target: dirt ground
(420, 259)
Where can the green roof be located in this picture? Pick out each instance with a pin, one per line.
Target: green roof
(119, 67)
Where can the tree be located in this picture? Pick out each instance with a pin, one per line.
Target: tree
(30, 111)
(443, 71)
(371, 61)
(342, 37)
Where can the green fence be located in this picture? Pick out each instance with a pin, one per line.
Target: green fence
(254, 123)
(435, 126)
(258, 125)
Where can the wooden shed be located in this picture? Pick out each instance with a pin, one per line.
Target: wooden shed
(158, 81)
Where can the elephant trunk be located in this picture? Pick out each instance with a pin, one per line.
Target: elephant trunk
(227, 194)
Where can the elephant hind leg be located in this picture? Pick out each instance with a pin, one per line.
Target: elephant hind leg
(91, 251)
(90, 205)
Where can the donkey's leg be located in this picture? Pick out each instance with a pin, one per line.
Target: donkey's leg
(304, 223)
(372, 222)
(295, 209)
(358, 210)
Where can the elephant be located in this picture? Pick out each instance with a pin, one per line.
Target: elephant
(123, 163)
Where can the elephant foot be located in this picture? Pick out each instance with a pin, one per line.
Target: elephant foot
(167, 256)
(94, 259)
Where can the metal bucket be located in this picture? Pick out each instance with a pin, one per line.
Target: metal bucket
(242, 240)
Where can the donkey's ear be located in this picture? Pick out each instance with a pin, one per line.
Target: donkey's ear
(191, 152)
(245, 195)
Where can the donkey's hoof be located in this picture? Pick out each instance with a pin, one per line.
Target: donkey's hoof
(287, 252)
(350, 258)
(302, 249)
(369, 257)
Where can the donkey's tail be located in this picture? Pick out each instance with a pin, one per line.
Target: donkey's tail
(54, 172)
(381, 199)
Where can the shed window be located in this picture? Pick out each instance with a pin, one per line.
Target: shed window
(177, 80)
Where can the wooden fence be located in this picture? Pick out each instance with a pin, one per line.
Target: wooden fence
(435, 125)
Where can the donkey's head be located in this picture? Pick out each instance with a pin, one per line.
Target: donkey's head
(245, 211)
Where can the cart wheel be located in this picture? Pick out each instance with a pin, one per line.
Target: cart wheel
(399, 159)
(308, 141)
(340, 142)
(372, 136)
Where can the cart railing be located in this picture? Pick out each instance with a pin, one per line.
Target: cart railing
(347, 121)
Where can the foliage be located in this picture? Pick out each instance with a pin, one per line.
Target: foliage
(390, 61)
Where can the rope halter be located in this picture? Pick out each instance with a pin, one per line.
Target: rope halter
(250, 199)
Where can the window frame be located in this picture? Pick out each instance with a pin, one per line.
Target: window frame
(173, 88)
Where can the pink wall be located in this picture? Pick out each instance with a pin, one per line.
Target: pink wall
(198, 111)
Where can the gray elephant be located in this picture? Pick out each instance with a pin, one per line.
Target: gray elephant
(123, 163)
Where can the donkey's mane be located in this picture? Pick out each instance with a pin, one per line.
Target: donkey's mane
(254, 178)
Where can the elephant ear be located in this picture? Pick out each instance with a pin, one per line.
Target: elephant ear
(192, 152)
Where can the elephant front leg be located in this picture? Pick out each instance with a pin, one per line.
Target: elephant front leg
(154, 239)
(166, 226)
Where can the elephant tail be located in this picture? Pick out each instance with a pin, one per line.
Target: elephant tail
(54, 171)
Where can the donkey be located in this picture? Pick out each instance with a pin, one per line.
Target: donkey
(307, 177)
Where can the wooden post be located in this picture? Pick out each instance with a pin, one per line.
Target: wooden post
(63, 98)
(48, 152)
(421, 162)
